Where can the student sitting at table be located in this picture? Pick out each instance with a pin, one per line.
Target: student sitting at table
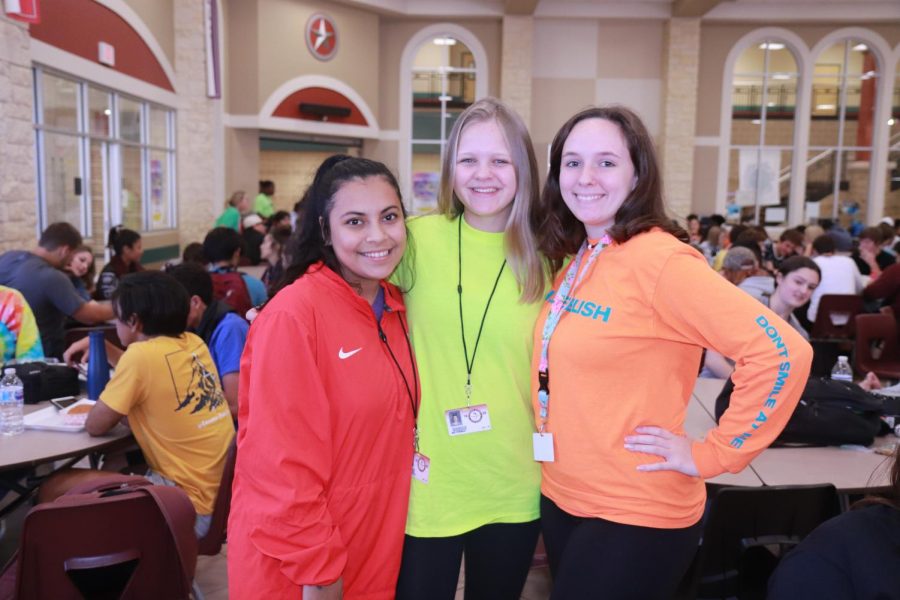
(853, 555)
(167, 385)
(223, 330)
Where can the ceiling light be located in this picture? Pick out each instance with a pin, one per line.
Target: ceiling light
(771, 46)
(756, 121)
(770, 104)
(445, 98)
(444, 40)
(781, 76)
(107, 112)
(860, 47)
(891, 122)
(825, 107)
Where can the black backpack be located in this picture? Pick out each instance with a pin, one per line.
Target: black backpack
(830, 413)
(42, 381)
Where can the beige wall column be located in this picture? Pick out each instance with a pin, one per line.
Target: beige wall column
(515, 65)
(197, 120)
(18, 189)
(679, 109)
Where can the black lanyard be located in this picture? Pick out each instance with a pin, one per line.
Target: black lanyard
(462, 328)
(414, 392)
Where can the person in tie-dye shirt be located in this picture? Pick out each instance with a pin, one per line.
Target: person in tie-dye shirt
(19, 337)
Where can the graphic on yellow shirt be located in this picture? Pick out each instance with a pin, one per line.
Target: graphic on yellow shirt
(206, 390)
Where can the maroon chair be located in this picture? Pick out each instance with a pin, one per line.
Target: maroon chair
(211, 543)
(876, 347)
(120, 538)
(835, 317)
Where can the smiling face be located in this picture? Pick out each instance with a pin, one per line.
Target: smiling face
(796, 287)
(367, 232)
(484, 177)
(596, 174)
(80, 263)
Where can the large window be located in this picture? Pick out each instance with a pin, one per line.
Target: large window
(845, 81)
(763, 105)
(443, 85)
(104, 158)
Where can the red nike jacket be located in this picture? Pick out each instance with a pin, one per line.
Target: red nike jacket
(325, 444)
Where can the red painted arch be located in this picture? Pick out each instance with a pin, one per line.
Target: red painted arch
(77, 26)
(290, 106)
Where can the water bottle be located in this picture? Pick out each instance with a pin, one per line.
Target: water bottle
(841, 370)
(98, 366)
(12, 403)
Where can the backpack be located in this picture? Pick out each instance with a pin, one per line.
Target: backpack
(230, 287)
(830, 413)
(42, 381)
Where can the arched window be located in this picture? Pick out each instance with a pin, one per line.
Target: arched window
(443, 70)
(764, 89)
(842, 110)
(443, 85)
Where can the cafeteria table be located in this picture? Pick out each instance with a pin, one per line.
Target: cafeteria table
(36, 447)
(852, 470)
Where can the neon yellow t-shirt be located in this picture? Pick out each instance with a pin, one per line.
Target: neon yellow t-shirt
(262, 205)
(169, 389)
(490, 476)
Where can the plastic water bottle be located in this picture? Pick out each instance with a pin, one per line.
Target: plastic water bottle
(12, 403)
(841, 370)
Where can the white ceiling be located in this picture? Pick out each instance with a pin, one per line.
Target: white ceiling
(843, 11)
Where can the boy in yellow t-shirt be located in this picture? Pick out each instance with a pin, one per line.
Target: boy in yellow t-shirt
(167, 385)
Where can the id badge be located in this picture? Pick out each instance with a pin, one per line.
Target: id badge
(420, 467)
(543, 447)
(468, 419)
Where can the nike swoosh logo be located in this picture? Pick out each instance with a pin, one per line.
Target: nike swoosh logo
(342, 355)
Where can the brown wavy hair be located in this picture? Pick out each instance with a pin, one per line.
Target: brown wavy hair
(561, 234)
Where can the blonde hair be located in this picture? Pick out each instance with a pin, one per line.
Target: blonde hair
(236, 198)
(527, 264)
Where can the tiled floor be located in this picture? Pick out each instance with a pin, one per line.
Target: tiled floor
(212, 578)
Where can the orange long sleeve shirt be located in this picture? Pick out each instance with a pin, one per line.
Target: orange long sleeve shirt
(626, 354)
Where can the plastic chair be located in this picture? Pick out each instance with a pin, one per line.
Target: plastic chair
(211, 543)
(135, 541)
(835, 316)
(876, 345)
(742, 525)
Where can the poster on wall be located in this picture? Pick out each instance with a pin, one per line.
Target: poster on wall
(759, 172)
(425, 191)
(157, 205)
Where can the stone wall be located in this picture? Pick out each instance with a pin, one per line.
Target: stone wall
(680, 76)
(515, 64)
(18, 189)
(198, 127)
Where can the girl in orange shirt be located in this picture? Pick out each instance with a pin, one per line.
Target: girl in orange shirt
(617, 348)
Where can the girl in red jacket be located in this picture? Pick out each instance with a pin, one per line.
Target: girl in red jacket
(328, 398)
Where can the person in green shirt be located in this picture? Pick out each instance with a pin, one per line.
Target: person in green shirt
(471, 308)
(263, 204)
(238, 204)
